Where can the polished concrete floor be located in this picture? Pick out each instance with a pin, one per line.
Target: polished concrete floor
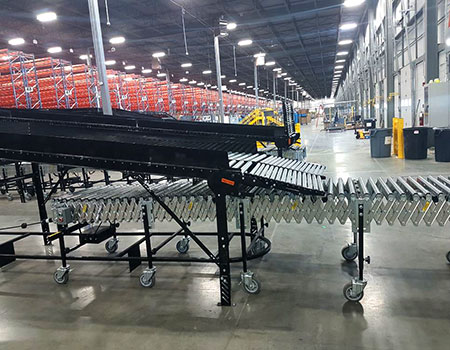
(301, 306)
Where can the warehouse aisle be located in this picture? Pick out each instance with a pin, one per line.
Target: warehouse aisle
(301, 303)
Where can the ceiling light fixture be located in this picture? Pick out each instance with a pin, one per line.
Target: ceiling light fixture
(110, 62)
(192, 82)
(232, 81)
(342, 53)
(55, 49)
(277, 69)
(16, 41)
(186, 65)
(241, 84)
(338, 67)
(348, 26)
(117, 40)
(353, 3)
(231, 26)
(146, 71)
(270, 63)
(130, 67)
(340, 61)
(85, 57)
(46, 16)
(283, 74)
(183, 80)
(200, 84)
(159, 54)
(245, 42)
(345, 42)
(161, 75)
(207, 72)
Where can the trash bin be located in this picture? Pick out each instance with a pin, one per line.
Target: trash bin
(442, 144)
(369, 123)
(380, 143)
(416, 142)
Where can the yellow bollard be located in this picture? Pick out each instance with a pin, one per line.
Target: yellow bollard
(397, 132)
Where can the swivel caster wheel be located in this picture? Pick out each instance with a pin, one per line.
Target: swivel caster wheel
(10, 198)
(183, 245)
(250, 283)
(448, 257)
(148, 278)
(112, 245)
(27, 196)
(61, 276)
(351, 294)
(349, 252)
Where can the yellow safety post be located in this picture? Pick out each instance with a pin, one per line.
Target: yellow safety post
(397, 132)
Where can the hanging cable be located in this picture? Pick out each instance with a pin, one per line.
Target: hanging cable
(234, 59)
(184, 31)
(108, 23)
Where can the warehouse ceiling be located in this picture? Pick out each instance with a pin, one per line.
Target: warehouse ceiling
(301, 36)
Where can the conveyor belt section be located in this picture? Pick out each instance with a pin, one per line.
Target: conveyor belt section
(402, 200)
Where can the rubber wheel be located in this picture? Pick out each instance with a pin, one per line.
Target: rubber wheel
(111, 246)
(348, 293)
(182, 247)
(348, 255)
(253, 287)
(448, 257)
(147, 283)
(61, 279)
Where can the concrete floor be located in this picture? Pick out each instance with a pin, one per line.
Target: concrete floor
(406, 303)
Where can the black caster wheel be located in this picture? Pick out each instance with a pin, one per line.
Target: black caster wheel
(349, 254)
(252, 287)
(10, 198)
(146, 281)
(183, 246)
(61, 277)
(72, 189)
(349, 295)
(112, 245)
(448, 257)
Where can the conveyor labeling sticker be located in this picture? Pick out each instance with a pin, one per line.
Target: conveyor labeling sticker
(227, 182)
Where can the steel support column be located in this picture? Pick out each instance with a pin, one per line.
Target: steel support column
(219, 78)
(431, 40)
(256, 85)
(389, 63)
(99, 55)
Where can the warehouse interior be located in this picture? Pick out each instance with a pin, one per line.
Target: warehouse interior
(192, 174)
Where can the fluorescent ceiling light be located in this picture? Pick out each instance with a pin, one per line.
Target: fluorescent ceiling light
(54, 49)
(192, 82)
(85, 57)
(232, 81)
(117, 40)
(46, 17)
(223, 76)
(207, 72)
(130, 67)
(200, 84)
(353, 3)
(146, 71)
(287, 78)
(342, 53)
(241, 84)
(16, 41)
(250, 87)
(277, 69)
(110, 62)
(345, 42)
(261, 54)
(186, 65)
(183, 80)
(245, 42)
(283, 74)
(348, 26)
(161, 75)
(271, 63)
(214, 87)
(231, 26)
(338, 67)
(159, 54)
(340, 61)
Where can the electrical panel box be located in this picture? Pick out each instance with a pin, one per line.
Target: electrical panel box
(437, 103)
